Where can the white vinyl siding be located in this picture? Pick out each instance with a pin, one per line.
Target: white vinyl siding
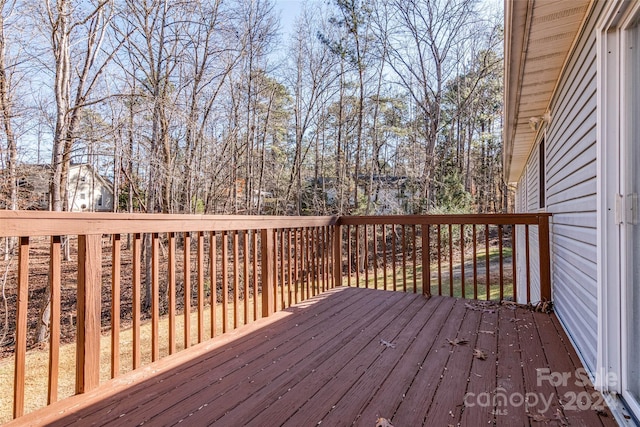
(571, 195)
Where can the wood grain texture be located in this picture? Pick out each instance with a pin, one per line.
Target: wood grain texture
(21, 327)
(54, 323)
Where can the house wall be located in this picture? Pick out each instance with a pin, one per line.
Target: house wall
(571, 193)
(87, 192)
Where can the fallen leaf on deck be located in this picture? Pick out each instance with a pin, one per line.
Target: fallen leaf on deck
(487, 332)
(383, 422)
(387, 343)
(539, 417)
(479, 354)
(457, 341)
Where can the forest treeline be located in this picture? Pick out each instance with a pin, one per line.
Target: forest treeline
(209, 106)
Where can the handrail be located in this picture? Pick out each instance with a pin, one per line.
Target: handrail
(276, 261)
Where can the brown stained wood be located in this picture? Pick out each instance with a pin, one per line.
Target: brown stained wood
(357, 243)
(510, 380)
(414, 258)
(450, 260)
(236, 282)
(439, 245)
(213, 280)
(404, 259)
(324, 360)
(254, 276)
(337, 256)
(281, 270)
(527, 263)
(171, 285)
(514, 270)
(21, 327)
(200, 261)
(298, 292)
(399, 376)
(46, 223)
(487, 262)
(155, 297)
(426, 260)
(419, 397)
(577, 389)
(348, 255)
(245, 275)
(393, 257)
(289, 266)
(366, 256)
(238, 376)
(518, 218)
(384, 256)
(375, 256)
(475, 262)
(535, 360)
(136, 298)
(307, 262)
(115, 307)
(186, 268)
(544, 257)
(482, 376)
(88, 312)
(462, 260)
(54, 320)
(225, 281)
(267, 262)
(501, 263)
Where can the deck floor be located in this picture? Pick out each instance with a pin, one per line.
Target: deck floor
(350, 356)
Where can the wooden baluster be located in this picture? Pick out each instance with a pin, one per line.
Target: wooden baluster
(213, 273)
(425, 229)
(414, 258)
(136, 298)
(54, 321)
(450, 260)
(348, 255)
(296, 270)
(384, 255)
(514, 270)
(475, 263)
(375, 257)
(337, 255)
(21, 327)
(236, 283)
(289, 267)
(282, 272)
(255, 274)
(462, 261)
(225, 281)
(155, 297)
(487, 272)
(404, 258)
(245, 278)
(172, 291)
(439, 260)
(307, 262)
(527, 262)
(357, 242)
(187, 289)
(501, 262)
(313, 253)
(366, 256)
(200, 286)
(544, 257)
(267, 263)
(88, 312)
(393, 257)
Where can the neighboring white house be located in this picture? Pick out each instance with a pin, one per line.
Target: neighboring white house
(88, 191)
(572, 146)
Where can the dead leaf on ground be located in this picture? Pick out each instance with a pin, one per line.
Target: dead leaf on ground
(387, 343)
(479, 354)
(457, 341)
(487, 332)
(383, 422)
(539, 417)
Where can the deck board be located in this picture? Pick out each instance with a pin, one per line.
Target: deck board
(323, 361)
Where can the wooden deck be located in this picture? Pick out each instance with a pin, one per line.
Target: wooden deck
(349, 356)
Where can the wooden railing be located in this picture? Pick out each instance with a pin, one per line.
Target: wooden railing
(210, 274)
(467, 256)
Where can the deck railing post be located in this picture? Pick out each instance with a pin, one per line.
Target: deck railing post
(337, 254)
(88, 314)
(267, 265)
(545, 257)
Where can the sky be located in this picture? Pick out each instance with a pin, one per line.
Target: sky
(289, 11)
